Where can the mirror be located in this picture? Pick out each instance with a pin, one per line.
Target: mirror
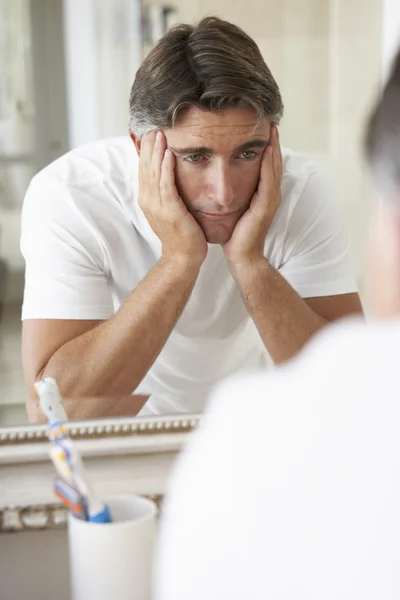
(49, 104)
(17, 166)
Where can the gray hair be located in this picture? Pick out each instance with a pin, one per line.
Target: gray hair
(214, 66)
(382, 140)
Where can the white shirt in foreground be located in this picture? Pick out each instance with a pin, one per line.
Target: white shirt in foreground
(291, 488)
(87, 245)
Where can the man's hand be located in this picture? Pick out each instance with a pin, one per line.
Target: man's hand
(180, 234)
(247, 240)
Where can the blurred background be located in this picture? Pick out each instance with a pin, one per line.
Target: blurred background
(66, 68)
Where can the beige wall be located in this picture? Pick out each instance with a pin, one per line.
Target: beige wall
(326, 57)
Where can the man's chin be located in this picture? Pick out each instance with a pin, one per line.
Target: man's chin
(217, 237)
(217, 232)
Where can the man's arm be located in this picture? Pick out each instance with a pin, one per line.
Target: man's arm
(284, 320)
(314, 262)
(100, 407)
(110, 358)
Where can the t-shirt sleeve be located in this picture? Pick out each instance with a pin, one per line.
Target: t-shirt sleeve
(65, 267)
(315, 259)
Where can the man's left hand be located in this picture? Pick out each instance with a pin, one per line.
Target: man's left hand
(247, 240)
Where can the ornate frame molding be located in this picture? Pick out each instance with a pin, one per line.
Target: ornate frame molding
(102, 428)
(42, 517)
(134, 450)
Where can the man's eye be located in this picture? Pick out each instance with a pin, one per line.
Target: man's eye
(248, 154)
(194, 158)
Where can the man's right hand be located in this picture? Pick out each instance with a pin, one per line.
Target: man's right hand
(180, 234)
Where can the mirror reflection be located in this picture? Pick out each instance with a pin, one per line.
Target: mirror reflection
(199, 205)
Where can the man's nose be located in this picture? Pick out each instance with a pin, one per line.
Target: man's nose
(222, 186)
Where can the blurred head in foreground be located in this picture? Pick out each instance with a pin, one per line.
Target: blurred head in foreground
(382, 148)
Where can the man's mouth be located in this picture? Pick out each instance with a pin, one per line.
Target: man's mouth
(216, 216)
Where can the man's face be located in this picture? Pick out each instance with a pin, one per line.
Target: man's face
(218, 157)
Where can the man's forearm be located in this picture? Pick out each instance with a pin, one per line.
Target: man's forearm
(113, 358)
(284, 320)
(81, 409)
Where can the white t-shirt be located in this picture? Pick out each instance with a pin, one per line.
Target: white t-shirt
(291, 488)
(87, 245)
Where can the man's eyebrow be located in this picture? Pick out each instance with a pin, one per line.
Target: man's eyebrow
(192, 150)
(257, 143)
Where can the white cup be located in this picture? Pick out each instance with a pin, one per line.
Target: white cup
(114, 560)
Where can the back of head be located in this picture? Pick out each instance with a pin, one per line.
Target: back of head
(382, 143)
(214, 65)
(382, 147)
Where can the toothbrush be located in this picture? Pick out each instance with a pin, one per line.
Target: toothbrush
(63, 453)
(50, 400)
(70, 498)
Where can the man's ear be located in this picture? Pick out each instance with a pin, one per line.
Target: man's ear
(136, 141)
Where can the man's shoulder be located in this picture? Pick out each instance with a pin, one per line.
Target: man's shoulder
(96, 181)
(296, 165)
(297, 170)
(107, 159)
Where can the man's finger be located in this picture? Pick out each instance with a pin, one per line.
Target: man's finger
(146, 148)
(277, 154)
(167, 178)
(158, 155)
(266, 168)
(146, 152)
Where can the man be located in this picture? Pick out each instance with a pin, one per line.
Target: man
(165, 273)
(300, 500)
